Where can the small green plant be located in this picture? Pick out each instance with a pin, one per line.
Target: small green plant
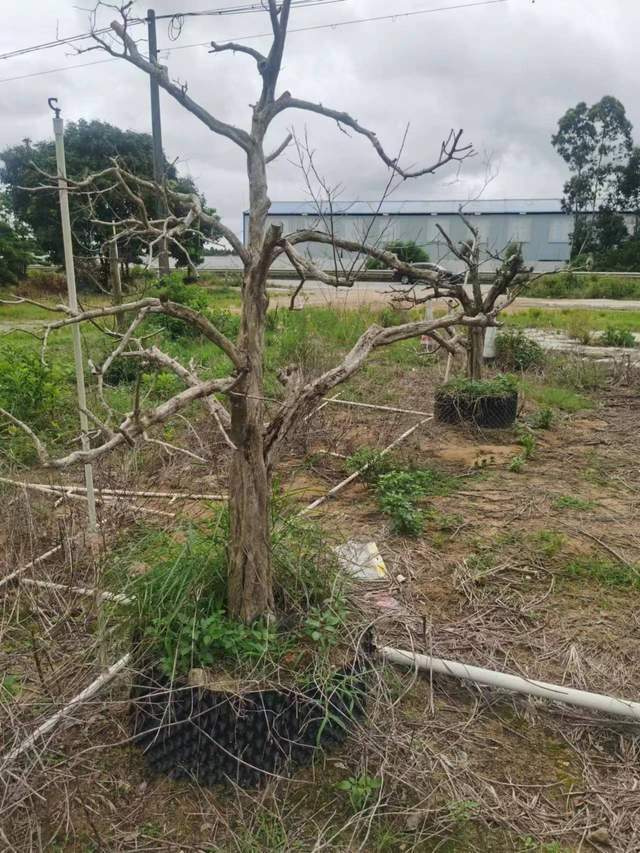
(548, 542)
(516, 351)
(361, 789)
(462, 811)
(542, 419)
(617, 337)
(528, 844)
(174, 289)
(376, 464)
(517, 463)
(322, 626)
(399, 489)
(10, 687)
(398, 492)
(572, 502)
(528, 443)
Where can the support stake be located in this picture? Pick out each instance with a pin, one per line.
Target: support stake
(58, 130)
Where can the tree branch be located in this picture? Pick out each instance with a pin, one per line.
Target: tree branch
(278, 151)
(450, 148)
(298, 403)
(133, 55)
(133, 426)
(159, 306)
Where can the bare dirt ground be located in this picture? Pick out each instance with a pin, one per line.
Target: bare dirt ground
(377, 294)
(489, 582)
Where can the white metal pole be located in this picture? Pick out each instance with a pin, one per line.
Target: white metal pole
(58, 130)
(553, 692)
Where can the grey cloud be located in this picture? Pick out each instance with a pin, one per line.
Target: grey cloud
(505, 73)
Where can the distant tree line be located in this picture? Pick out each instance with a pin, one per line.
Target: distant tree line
(30, 221)
(603, 192)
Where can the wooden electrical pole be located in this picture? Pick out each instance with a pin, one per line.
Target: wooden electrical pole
(156, 132)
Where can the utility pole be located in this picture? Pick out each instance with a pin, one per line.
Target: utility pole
(156, 132)
(58, 130)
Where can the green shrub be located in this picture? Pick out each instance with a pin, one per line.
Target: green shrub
(174, 289)
(616, 337)
(122, 371)
(224, 321)
(406, 250)
(30, 390)
(578, 327)
(44, 281)
(399, 489)
(516, 351)
(595, 286)
(475, 389)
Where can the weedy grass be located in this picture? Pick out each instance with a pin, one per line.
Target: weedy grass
(399, 489)
(555, 397)
(607, 573)
(178, 612)
(573, 502)
(594, 286)
(562, 319)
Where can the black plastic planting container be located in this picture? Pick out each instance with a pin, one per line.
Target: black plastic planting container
(219, 737)
(490, 412)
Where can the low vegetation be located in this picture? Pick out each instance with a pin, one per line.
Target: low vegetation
(594, 286)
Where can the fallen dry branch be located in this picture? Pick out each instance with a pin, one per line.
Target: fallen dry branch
(49, 725)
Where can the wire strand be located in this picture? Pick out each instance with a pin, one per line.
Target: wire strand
(334, 25)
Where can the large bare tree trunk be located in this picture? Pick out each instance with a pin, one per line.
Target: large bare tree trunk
(475, 352)
(250, 582)
(250, 575)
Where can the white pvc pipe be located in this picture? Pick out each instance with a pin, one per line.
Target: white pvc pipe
(553, 692)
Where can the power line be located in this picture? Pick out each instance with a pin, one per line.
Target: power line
(227, 10)
(392, 17)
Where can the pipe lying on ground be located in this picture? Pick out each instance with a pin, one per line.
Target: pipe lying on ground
(515, 683)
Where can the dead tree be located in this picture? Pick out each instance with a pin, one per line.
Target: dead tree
(510, 279)
(256, 444)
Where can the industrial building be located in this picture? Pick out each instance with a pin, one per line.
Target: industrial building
(537, 224)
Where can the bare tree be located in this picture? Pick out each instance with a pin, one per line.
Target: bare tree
(256, 444)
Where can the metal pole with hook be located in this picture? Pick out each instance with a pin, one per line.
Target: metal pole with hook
(58, 130)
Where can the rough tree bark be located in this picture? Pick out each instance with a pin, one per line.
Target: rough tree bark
(475, 348)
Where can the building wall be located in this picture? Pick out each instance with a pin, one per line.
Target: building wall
(544, 236)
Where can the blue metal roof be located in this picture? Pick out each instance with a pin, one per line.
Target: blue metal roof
(423, 208)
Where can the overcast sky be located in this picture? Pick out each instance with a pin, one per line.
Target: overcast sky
(503, 72)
